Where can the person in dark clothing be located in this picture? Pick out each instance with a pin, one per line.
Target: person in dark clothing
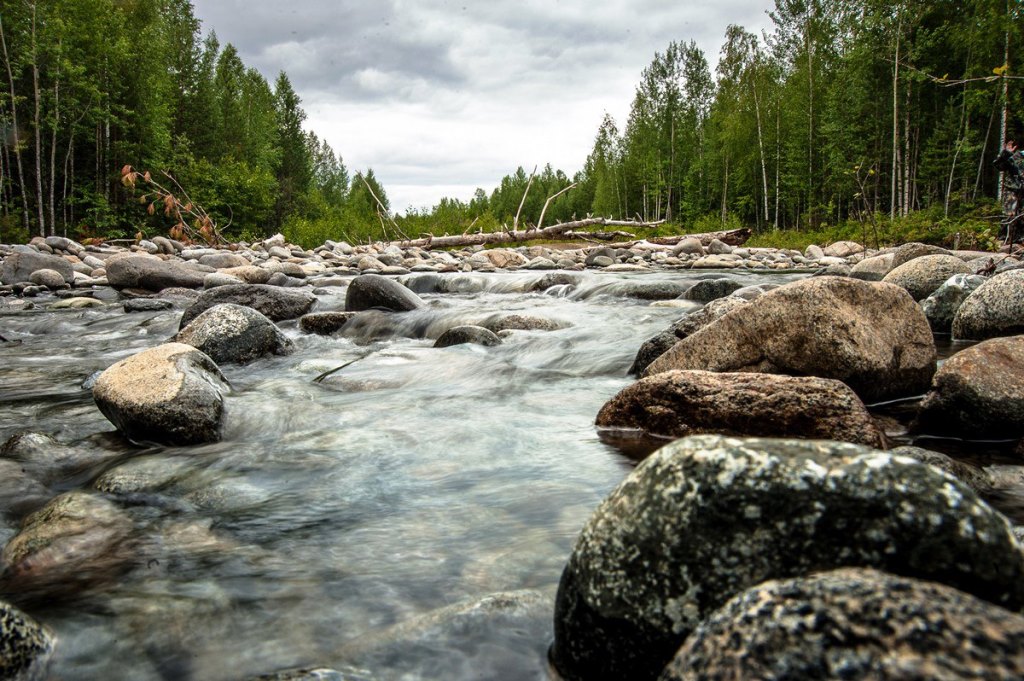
(1011, 162)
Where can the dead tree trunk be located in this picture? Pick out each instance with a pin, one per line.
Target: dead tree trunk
(553, 232)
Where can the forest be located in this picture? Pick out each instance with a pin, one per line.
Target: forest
(855, 113)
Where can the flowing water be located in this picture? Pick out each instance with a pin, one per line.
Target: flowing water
(337, 506)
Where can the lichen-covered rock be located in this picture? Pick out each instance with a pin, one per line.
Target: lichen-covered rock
(325, 323)
(373, 291)
(976, 478)
(996, 308)
(467, 333)
(25, 645)
(922, 276)
(18, 267)
(871, 336)
(655, 347)
(941, 306)
(712, 289)
(77, 540)
(234, 333)
(150, 273)
(273, 302)
(707, 517)
(680, 403)
(979, 392)
(170, 394)
(853, 624)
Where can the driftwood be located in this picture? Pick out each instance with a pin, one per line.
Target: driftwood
(733, 237)
(553, 232)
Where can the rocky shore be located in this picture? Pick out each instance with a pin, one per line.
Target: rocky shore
(780, 514)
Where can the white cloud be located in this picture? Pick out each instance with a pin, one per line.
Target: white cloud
(443, 97)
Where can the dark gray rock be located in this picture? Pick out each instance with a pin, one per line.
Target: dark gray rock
(170, 394)
(150, 273)
(555, 279)
(996, 308)
(978, 392)
(147, 305)
(324, 323)
(853, 624)
(25, 645)
(49, 460)
(234, 333)
(680, 403)
(20, 493)
(871, 336)
(370, 291)
(18, 267)
(467, 333)
(976, 478)
(922, 276)
(653, 290)
(712, 289)
(519, 322)
(941, 306)
(707, 517)
(272, 302)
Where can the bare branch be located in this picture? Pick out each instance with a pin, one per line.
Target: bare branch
(540, 222)
(515, 221)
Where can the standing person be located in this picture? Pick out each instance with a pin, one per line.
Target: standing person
(1011, 162)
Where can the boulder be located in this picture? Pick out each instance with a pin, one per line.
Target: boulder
(315, 674)
(51, 279)
(922, 276)
(706, 517)
(978, 479)
(907, 252)
(679, 403)
(978, 392)
(689, 245)
(234, 333)
(324, 323)
(223, 260)
(712, 289)
(871, 336)
(718, 247)
(147, 305)
(519, 322)
(853, 624)
(49, 460)
(78, 540)
(20, 493)
(654, 347)
(250, 274)
(941, 306)
(19, 266)
(555, 279)
(272, 302)
(170, 394)
(843, 249)
(467, 334)
(996, 308)
(503, 257)
(873, 268)
(651, 290)
(150, 273)
(372, 291)
(25, 645)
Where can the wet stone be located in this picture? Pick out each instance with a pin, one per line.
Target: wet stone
(25, 645)
(147, 305)
(234, 333)
(460, 335)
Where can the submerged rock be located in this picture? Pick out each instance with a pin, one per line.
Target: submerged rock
(25, 645)
(371, 291)
(706, 517)
(853, 624)
(519, 322)
(978, 392)
(273, 302)
(467, 333)
(996, 308)
(680, 403)
(871, 336)
(171, 394)
(234, 333)
(325, 323)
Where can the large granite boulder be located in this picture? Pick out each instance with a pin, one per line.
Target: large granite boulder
(904, 253)
(78, 540)
(25, 645)
(170, 394)
(19, 266)
(922, 276)
(373, 291)
(234, 333)
(655, 347)
(874, 268)
(871, 336)
(150, 273)
(853, 624)
(707, 517)
(996, 308)
(940, 307)
(273, 302)
(978, 392)
(680, 403)
(712, 289)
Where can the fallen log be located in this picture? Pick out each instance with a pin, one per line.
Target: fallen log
(733, 237)
(553, 232)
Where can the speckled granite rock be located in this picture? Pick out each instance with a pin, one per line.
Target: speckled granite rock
(940, 307)
(680, 403)
(978, 479)
(996, 308)
(904, 253)
(467, 333)
(871, 336)
(853, 624)
(234, 333)
(922, 276)
(707, 517)
(655, 347)
(979, 392)
(170, 394)
(25, 645)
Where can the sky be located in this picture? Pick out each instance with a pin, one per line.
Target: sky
(440, 97)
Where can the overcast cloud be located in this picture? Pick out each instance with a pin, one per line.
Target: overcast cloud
(442, 97)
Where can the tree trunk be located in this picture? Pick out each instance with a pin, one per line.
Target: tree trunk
(40, 204)
(760, 146)
(17, 131)
(961, 131)
(1006, 96)
(981, 157)
(725, 189)
(895, 121)
(552, 232)
(53, 144)
(778, 160)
